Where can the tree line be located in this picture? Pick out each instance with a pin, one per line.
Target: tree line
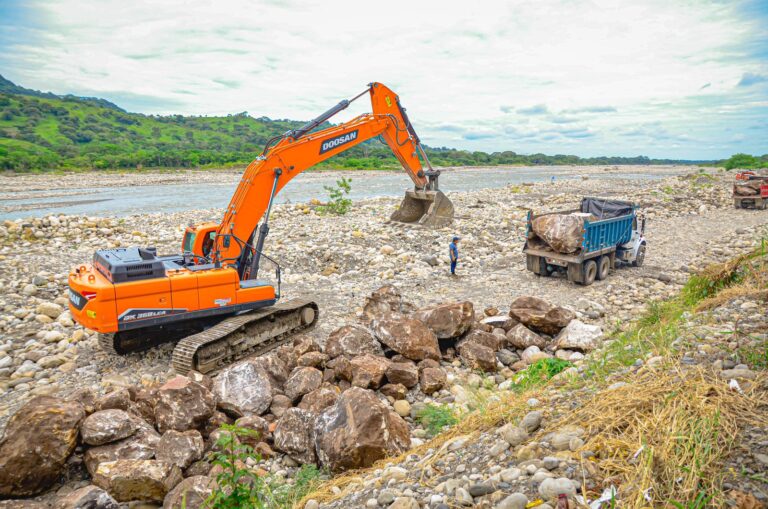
(46, 132)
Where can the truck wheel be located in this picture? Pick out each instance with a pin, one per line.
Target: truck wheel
(590, 272)
(640, 258)
(603, 267)
(737, 203)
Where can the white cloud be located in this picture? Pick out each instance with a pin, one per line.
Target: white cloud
(597, 66)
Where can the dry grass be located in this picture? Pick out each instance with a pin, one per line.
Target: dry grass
(665, 436)
(745, 276)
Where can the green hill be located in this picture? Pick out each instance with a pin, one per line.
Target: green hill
(42, 131)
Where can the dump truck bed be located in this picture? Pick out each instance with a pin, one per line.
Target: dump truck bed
(600, 237)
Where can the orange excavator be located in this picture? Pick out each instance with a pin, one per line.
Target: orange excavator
(210, 298)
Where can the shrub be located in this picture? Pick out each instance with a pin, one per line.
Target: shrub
(436, 417)
(539, 372)
(338, 203)
(240, 488)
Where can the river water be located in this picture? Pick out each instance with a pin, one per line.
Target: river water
(138, 199)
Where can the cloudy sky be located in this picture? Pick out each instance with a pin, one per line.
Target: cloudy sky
(666, 78)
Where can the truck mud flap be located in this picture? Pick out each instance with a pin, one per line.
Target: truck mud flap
(532, 263)
(575, 273)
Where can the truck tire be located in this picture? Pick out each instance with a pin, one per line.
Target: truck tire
(737, 203)
(640, 258)
(590, 272)
(603, 267)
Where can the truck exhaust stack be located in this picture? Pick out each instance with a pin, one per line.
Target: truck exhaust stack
(427, 208)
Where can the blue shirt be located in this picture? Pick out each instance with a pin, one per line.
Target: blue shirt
(454, 249)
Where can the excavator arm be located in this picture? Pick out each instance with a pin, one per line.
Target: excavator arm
(209, 299)
(289, 155)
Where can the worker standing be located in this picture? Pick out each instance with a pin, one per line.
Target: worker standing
(453, 250)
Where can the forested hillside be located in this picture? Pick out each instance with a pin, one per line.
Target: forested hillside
(43, 131)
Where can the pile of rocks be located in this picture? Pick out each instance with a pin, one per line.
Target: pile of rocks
(342, 406)
(541, 455)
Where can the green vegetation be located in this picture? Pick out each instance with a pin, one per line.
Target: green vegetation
(745, 162)
(435, 418)
(655, 331)
(43, 132)
(240, 488)
(539, 373)
(338, 204)
(700, 502)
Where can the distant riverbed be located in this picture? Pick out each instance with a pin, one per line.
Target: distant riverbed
(97, 194)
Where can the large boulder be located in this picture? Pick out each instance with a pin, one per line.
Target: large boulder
(119, 399)
(578, 335)
(477, 356)
(144, 480)
(107, 426)
(432, 380)
(539, 315)
(293, 435)
(87, 497)
(522, 337)
(275, 367)
(341, 367)
(183, 404)
(144, 401)
(449, 320)
(562, 232)
(141, 445)
(320, 399)
(484, 338)
(368, 371)
(359, 430)
(384, 301)
(351, 341)
(181, 448)
(258, 429)
(191, 493)
(38, 439)
(409, 337)
(302, 381)
(405, 373)
(748, 188)
(243, 389)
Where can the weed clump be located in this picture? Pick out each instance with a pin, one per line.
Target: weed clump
(435, 418)
(338, 203)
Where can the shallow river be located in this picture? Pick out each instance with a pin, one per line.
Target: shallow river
(138, 199)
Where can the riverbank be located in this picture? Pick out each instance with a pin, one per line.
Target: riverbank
(338, 261)
(123, 194)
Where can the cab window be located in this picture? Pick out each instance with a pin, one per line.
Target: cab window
(189, 242)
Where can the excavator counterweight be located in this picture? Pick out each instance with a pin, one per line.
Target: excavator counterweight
(210, 299)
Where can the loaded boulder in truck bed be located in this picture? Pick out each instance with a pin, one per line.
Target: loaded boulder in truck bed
(563, 232)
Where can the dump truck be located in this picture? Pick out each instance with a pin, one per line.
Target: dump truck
(612, 232)
(750, 190)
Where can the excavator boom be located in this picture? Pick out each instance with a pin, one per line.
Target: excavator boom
(209, 298)
(300, 149)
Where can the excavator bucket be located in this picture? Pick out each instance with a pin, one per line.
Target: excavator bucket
(427, 208)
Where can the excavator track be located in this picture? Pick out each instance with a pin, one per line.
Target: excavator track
(126, 342)
(261, 331)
